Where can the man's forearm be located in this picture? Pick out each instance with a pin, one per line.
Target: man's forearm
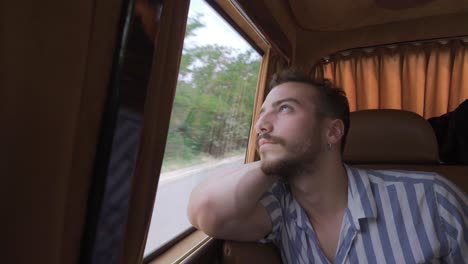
(227, 198)
(252, 184)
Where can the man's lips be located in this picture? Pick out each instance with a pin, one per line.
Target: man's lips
(266, 138)
(263, 141)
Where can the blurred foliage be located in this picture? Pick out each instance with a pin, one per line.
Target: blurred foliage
(214, 100)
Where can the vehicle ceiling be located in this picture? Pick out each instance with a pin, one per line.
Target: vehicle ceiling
(317, 28)
(350, 14)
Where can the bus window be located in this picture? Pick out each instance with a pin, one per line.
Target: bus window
(210, 120)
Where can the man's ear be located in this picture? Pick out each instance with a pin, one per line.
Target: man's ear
(335, 131)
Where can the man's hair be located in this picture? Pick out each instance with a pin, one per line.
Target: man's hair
(331, 101)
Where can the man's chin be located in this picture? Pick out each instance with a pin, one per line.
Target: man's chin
(269, 163)
(282, 168)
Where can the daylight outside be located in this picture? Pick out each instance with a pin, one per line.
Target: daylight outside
(210, 120)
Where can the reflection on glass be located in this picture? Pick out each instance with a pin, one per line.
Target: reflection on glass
(125, 109)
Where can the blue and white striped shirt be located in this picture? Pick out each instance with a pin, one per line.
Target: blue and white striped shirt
(392, 217)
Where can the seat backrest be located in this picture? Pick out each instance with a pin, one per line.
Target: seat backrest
(377, 139)
(390, 136)
(397, 139)
(250, 253)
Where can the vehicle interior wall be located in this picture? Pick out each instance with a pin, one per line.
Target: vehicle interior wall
(280, 10)
(56, 56)
(315, 33)
(273, 22)
(313, 45)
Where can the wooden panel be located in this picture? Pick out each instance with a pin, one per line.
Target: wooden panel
(256, 11)
(55, 64)
(282, 13)
(209, 253)
(195, 248)
(229, 12)
(103, 41)
(161, 91)
(259, 98)
(188, 244)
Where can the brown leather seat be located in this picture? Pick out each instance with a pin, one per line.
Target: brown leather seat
(250, 253)
(377, 139)
(397, 139)
(390, 136)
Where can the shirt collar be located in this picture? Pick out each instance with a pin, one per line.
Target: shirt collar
(361, 202)
(298, 213)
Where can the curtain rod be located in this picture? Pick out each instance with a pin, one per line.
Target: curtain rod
(394, 45)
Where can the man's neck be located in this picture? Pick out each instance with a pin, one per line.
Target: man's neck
(322, 191)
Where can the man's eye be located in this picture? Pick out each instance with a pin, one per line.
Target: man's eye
(285, 108)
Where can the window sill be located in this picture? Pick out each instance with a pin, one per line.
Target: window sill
(187, 247)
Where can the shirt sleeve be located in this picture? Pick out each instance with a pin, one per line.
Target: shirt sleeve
(452, 206)
(271, 201)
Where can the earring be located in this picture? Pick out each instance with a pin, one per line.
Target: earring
(329, 146)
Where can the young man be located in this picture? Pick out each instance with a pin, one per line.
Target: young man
(315, 209)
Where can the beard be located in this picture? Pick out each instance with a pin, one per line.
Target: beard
(283, 168)
(300, 157)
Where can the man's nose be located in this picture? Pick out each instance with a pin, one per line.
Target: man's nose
(264, 124)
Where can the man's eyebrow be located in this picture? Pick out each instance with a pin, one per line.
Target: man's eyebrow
(289, 99)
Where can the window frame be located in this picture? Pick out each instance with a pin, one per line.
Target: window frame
(168, 52)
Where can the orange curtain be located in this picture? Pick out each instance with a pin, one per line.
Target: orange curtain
(430, 79)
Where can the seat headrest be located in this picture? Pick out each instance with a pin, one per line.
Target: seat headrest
(390, 136)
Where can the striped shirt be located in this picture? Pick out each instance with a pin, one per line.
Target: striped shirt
(392, 217)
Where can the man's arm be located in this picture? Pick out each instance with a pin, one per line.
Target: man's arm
(227, 207)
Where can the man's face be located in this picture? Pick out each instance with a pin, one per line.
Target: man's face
(290, 134)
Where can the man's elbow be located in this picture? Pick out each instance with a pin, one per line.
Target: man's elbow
(202, 215)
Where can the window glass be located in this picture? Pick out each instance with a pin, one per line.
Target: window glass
(210, 119)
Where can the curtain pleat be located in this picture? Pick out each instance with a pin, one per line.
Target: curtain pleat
(390, 80)
(329, 71)
(437, 81)
(413, 79)
(345, 78)
(367, 84)
(430, 79)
